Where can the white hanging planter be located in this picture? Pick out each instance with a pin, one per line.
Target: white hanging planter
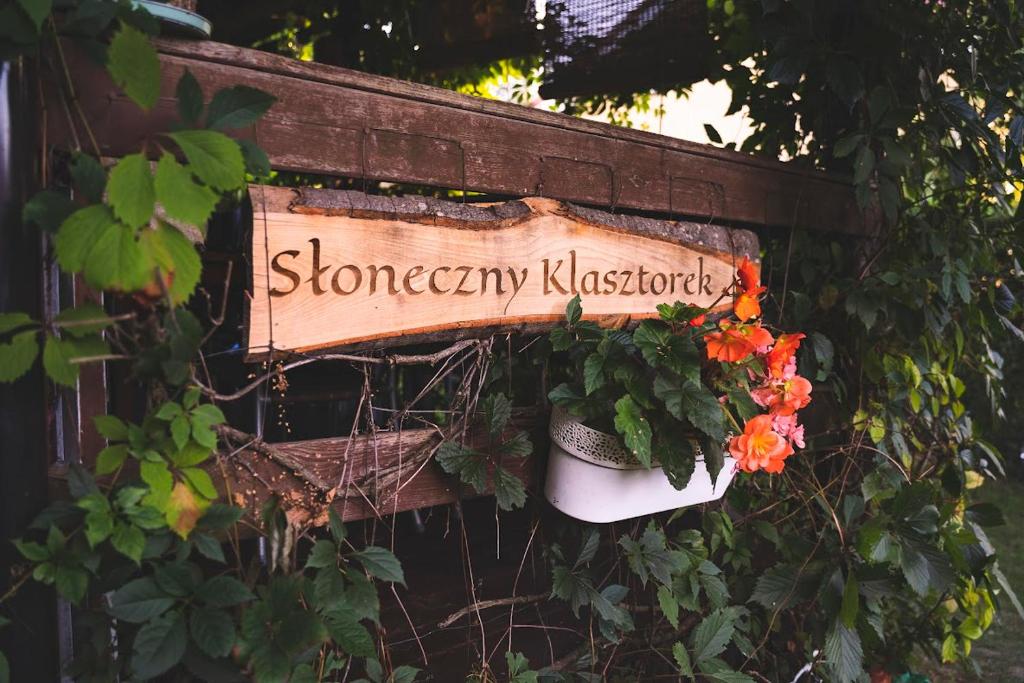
(592, 478)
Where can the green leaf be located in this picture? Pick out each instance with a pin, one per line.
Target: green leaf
(130, 190)
(138, 601)
(692, 402)
(634, 428)
(180, 431)
(337, 526)
(508, 489)
(223, 591)
(209, 547)
(344, 627)
(470, 466)
(573, 311)
(324, 554)
(256, 161)
(88, 177)
(168, 248)
(925, 568)
(682, 658)
(190, 100)
(159, 645)
(18, 355)
(220, 516)
(201, 482)
(37, 10)
(58, 355)
(518, 446)
(182, 198)
(47, 209)
(129, 540)
(237, 107)
(213, 630)
(497, 413)
(713, 634)
(712, 134)
(851, 602)
(380, 563)
(32, 551)
(669, 605)
(864, 165)
(133, 64)
(778, 587)
(593, 373)
(212, 156)
(519, 668)
(843, 653)
(78, 235)
(71, 583)
(116, 261)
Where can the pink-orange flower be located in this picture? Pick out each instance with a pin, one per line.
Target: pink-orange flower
(783, 397)
(780, 355)
(746, 305)
(758, 336)
(760, 446)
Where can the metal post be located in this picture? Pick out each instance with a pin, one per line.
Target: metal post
(30, 641)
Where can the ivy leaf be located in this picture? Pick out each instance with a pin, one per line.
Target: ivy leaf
(138, 601)
(133, 64)
(344, 627)
(159, 645)
(843, 653)
(497, 413)
(58, 355)
(190, 99)
(182, 198)
(78, 235)
(116, 261)
(469, 465)
(634, 428)
(88, 176)
(223, 591)
(37, 10)
(508, 490)
(213, 630)
(237, 107)
(130, 190)
(200, 481)
(47, 209)
(18, 354)
(212, 156)
(256, 161)
(128, 540)
(110, 458)
(168, 248)
(380, 563)
(713, 634)
(183, 509)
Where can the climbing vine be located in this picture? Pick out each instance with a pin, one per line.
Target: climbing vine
(864, 554)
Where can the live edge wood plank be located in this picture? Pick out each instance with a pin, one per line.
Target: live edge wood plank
(340, 122)
(370, 475)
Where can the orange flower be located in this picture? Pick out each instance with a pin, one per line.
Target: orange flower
(760, 447)
(746, 305)
(784, 349)
(747, 273)
(783, 397)
(697, 321)
(757, 335)
(729, 345)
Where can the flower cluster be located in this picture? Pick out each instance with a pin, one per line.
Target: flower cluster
(770, 363)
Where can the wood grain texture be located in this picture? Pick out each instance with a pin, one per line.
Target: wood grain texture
(332, 268)
(371, 475)
(341, 122)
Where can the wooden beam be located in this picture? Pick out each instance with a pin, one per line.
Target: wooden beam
(361, 477)
(341, 122)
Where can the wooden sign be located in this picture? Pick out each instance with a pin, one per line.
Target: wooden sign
(338, 269)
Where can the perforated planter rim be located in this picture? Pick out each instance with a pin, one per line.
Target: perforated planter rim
(592, 478)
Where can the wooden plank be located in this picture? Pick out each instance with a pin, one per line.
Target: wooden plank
(361, 477)
(341, 122)
(333, 268)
